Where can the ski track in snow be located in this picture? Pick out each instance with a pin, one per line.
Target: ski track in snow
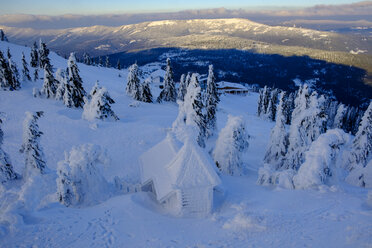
(247, 215)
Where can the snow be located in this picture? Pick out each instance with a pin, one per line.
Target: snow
(245, 215)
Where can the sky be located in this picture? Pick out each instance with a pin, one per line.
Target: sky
(50, 7)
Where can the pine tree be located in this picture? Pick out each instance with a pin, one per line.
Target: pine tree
(182, 88)
(146, 95)
(6, 169)
(338, 121)
(62, 81)
(168, 93)
(100, 63)
(362, 144)
(14, 73)
(87, 59)
(260, 102)
(231, 143)
(133, 87)
(36, 74)
(360, 158)
(44, 60)
(49, 88)
(118, 65)
(107, 63)
(34, 156)
(6, 78)
(25, 71)
(2, 36)
(34, 56)
(99, 106)
(75, 83)
(211, 103)
(288, 107)
(278, 143)
(271, 108)
(308, 122)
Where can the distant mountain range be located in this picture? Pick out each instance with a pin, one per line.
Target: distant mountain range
(202, 33)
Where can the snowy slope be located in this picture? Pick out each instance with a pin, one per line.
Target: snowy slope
(245, 215)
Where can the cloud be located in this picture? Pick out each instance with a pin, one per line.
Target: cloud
(351, 11)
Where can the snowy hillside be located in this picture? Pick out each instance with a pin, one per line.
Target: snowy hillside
(244, 214)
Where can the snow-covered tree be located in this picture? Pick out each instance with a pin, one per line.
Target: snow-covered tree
(6, 78)
(50, 85)
(133, 87)
(190, 113)
(44, 60)
(75, 83)
(100, 63)
(361, 152)
(278, 143)
(36, 74)
(263, 101)
(107, 62)
(118, 65)
(80, 180)
(271, 108)
(338, 121)
(231, 143)
(14, 82)
(99, 105)
(87, 59)
(146, 95)
(212, 100)
(34, 56)
(61, 86)
(25, 71)
(6, 169)
(3, 36)
(188, 79)
(308, 122)
(34, 156)
(182, 89)
(288, 107)
(168, 92)
(320, 160)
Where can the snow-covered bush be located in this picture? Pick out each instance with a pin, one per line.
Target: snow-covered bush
(267, 175)
(99, 107)
(232, 141)
(80, 180)
(320, 159)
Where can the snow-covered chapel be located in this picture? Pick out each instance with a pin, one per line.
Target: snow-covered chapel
(180, 176)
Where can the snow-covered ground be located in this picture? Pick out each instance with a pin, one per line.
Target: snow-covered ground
(244, 214)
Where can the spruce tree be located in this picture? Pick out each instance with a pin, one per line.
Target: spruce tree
(34, 156)
(133, 87)
(107, 62)
(146, 95)
(36, 74)
(6, 169)
(338, 121)
(271, 108)
(75, 83)
(6, 78)
(50, 85)
(188, 79)
(168, 92)
(44, 60)
(288, 107)
(99, 106)
(87, 59)
(211, 103)
(25, 71)
(278, 143)
(362, 144)
(62, 81)
(2, 36)
(118, 65)
(100, 63)
(14, 73)
(260, 102)
(182, 89)
(34, 56)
